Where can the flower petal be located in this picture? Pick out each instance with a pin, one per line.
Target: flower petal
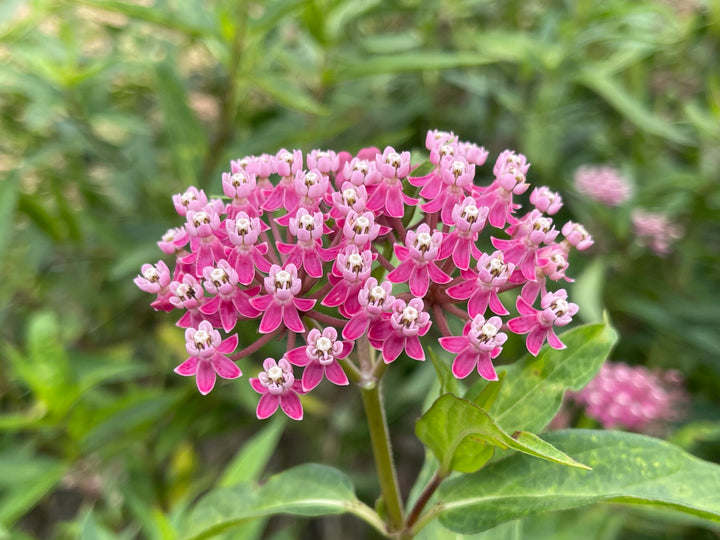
(225, 367)
(464, 363)
(335, 374)
(312, 375)
(392, 347)
(271, 319)
(267, 405)
(290, 403)
(485, 368)
(188, 367)
(414, 349)
(205, 377)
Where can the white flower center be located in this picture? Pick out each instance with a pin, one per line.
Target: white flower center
(496, 266)
(187, 198)
(542, 224)
(238, 179)
(447, 150)
(307, 222)
(409, 315)
(287, 157)
(518, 174)
(458, 167)
(355, 261)
(362, 225)
(559, 307)
(218, 276)
(393, 159)
(488, 330)
(202, 339)
(423, 241)
(311, 179)
(470, 213)
(200, 217)
(361, 166)
(349, 196)
(169, 236)
(324, 344)
(151, 274)
(242, 226)
(377, 295)
(275, 374)
(282, 280)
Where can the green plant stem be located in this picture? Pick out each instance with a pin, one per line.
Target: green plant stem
(423, 499)
(379, 436)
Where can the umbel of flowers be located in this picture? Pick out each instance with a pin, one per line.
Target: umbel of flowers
(363, 252)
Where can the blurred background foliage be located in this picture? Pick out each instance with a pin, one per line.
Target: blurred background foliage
(108, 107)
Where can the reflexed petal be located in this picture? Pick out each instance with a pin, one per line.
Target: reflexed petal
(394, 203)
(298, 356)
(304, 304)
(292, 319)
(205, 377)
(402, 273)
(245, 269)
(356, 326)
(464, 290)
(478, 303)
(347, 347)
(228, 316)
(496, 305)
(337, 294)
(267, 405)
(414, 349)
(211, 306)
(228, 345)
(380, 331)
(312, 375)
(335, 374)
(524, 308)
(290, 403)
(461, 255)
(523, 324)
(535, 340)
(392, 348)
(419, 280)
(225, 367)
(262, 302)
(437, 275)
(257, 386)
(453, 344)
(554, 341)
(485, 368)
(464, 363)
(313, 264)
(188, 367)
(271, 319)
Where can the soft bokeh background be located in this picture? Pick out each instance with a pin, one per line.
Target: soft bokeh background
(109, 107)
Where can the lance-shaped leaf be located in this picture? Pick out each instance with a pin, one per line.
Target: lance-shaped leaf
(533, 388)
(307, 490)
(626, 468)
(463, 437)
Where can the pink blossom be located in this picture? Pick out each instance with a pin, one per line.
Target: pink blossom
(417, 266)
(477, 155)
(577, 236)
(187, 294)
(388, 195)
(173, 240)
(481, 288)
(240, 186)
(288, 163)
(325, 161)
(350, 197)
(400, 332)
(246, 254)
(230, 300)
(510, 172)
(279, 389)
(206, 237)
(603, 184)
(556, 311)
(480, 343)
(193, 199)
(448, 188)
(545, 200)
(360, 229)
(460, 243)
(361, 172)
(207, 356)
(353, 267)
(374, 300)
(552, 263)
(311, 187)
(307, 252)
(320, 357)
(281, 304)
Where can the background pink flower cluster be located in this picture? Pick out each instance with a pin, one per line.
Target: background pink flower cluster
(341, 248)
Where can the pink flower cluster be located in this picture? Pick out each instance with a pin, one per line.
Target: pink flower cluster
(633, 397)
(603, 184)
(304, 244)
(655, 230)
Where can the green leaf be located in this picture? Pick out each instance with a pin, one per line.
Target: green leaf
(425, 168)
(463, 436)
(252, 458)
(288, 93)
(632, 109)
(8, 200)
(414, 61)
(490, 392)
(307, 490)
(448, 382)
(626, 468)
(534, 386)
(587, 291)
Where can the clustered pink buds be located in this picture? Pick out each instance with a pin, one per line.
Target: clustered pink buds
(655, 230)
(633, 397)
(603, 184)
(356, 253)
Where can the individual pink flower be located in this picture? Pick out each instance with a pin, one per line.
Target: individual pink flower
(577, 236)
(528, 235)
(206, 237)
(361, 172)
(325, 161)
(556, 311)
(374, 299)
(155, 279)
(481, 288)
(546, 200)
(510, 172)
(353, 267)
(552, 263)
(281, 304)
(279, 389)
(229, 300)
(288, 163)
(307, 252)
(246, 254)
(193, 199)
(417, 256)
(448, 188)
(360, 229)
(207, 357)
(603, 184)
(241, 187)
(469, 220)
(400, 332)
(480, 343)
(310, 187)
(655, 230)
(633, 397)
(477, 155)
(188, 294)
(388, 195)
(173, 241)
(320, 357)
(350, 197)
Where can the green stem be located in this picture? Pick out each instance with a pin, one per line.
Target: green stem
(379, 436)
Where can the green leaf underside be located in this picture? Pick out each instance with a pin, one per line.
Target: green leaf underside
(463, 437)
(307, 490)
(626, 468)
(534, 386)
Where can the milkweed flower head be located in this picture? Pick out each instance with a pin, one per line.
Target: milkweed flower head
(603, 184)
(655, 230)
(355, 261)
(633, 397)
